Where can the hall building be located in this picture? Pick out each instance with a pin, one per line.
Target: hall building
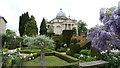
(2, 25)
(61, 22)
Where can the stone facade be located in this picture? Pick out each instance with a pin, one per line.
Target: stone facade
(61, 22)
(2, 25)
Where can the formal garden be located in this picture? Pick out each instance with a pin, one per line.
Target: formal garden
(48, 50)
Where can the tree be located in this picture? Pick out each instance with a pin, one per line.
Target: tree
(31, 27)
(42, 42)
(82, 27)
(22, 21)
(43, 29)
(9, 39)
(107, 36)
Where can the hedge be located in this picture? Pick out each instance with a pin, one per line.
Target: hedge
(65, 57)
(29, 51)
(62, 56)
(67, 34)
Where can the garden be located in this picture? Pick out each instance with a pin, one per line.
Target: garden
(66, 50)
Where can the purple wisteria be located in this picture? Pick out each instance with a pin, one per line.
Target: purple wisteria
(106, 36)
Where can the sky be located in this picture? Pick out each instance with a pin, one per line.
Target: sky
(85, 10)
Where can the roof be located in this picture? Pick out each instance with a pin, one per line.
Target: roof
(3, 19)
(61, 14)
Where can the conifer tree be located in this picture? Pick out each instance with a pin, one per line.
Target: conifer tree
(22, 21)
(43, 29)
(31, 27)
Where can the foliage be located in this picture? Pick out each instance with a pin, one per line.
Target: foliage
(86, 44)
(108, 35)
(73, 40)
(74, 31)
(23, 19)
(9, 60)
(5, 50)
(74, 48)
(85, 58)
(52, 62)
(58, 41)
(76, 55)
(62, 49)
(90, 59)
(39, 41)
(67, 34)
(43, 29)
(82, 27)
(95, 52)
(31, 27)
(9, 40)
(112, 57)
(65, 57)
(85, 52)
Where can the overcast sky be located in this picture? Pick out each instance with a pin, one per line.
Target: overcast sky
(86, 10)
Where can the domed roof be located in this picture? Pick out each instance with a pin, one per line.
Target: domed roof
(60, 14)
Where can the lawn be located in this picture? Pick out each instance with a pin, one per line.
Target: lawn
(50, 61)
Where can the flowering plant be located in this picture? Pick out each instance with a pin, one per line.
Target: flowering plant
(106, 36)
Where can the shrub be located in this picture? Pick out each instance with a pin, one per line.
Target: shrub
(90, 59)
(74, 48)
(67, 34)
(113, 58)
(58, 41)
(85, 52)
(95, 52)
(84, 58)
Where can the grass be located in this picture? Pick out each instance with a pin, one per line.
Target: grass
(50, 61)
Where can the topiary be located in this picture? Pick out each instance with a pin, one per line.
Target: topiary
(74, 48)
(67, 34)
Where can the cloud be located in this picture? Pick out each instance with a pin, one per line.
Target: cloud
(86, 10)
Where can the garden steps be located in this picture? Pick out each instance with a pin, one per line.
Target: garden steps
(93, 64)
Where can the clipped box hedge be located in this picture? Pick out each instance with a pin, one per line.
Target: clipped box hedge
(66, 57)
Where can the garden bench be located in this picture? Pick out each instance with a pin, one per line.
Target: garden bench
(94, 64)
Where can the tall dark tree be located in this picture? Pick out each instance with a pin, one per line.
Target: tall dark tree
(43, 29)
(31, 27)
(82, 27)
(22, 21)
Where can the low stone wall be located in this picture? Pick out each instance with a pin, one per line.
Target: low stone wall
(94, 64)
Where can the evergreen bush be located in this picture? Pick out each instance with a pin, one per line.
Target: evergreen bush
(74, 48)
(67, 34)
